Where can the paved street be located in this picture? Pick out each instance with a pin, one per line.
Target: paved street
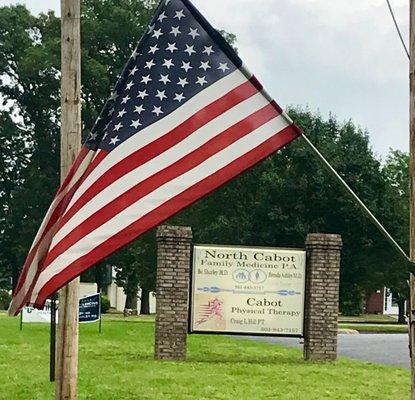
(379, 348)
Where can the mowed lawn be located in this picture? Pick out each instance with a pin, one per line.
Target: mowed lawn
(119, 364)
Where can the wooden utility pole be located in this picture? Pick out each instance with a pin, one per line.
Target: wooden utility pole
(68, 333)
(412, 187)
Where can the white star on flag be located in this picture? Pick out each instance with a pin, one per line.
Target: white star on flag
(193, 33)
(157, 110)
(201, 80)
(190, 49)
(135, 123)
(114, 140)
(179, 15)
(175, 30)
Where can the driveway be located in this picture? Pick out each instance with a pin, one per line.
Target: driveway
(391, 349)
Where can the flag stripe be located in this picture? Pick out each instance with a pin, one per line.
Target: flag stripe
(172, 171)
(217, 109)
(73, 173)
(28, 273)
(161, 195)
(166, 124)
(74, 168)
(191, 142)
(164, 211)
(54, 211)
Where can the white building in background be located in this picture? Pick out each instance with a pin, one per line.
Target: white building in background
(390, 304)
(87, 289)
(117, 296)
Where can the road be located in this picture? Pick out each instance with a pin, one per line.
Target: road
(391, 349)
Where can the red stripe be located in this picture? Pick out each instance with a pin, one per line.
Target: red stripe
(78, 160)
(256, 83)
(191, 160)
(52, 220)
(95, 162)
(218, 107)
(160, 145)
(57, 212)
(167, 210)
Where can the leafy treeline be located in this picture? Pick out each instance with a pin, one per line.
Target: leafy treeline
(276, 203)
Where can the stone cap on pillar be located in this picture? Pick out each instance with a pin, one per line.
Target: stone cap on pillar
(326, 240)
(174, 232)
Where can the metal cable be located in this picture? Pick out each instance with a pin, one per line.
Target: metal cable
(397, 28)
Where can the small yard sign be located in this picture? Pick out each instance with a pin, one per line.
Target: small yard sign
(90, 308)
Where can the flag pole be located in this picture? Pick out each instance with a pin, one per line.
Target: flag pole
(412, 189)
(68, 330)
(52, 350)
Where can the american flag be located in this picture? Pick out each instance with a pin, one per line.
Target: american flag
(185, 117)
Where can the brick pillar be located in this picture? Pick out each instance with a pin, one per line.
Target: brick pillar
(173, 267)
(322, 296)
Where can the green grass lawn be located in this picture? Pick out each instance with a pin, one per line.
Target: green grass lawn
(375, 328)
(118, 364)
(372, 323)
(368, 319)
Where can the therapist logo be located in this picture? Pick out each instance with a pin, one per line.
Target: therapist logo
(212, 310)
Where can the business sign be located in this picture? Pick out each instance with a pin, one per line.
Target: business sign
(247, 290)
(30, 314)
(89, 311)
(90, 308)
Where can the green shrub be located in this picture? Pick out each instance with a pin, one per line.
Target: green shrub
(105, 304)
(5, 299)
(351, 301)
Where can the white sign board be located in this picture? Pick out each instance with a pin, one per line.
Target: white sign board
(89, 311)
(247, 290)
(30, 314)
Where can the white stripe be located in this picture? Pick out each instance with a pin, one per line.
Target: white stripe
(163, 160)
(81, 168)
(162, 126)
(31, 273)
(45, 242)
(158, 197)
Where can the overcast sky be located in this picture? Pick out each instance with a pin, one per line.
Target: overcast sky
(340, 56)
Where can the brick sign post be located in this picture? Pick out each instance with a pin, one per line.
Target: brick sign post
(173, 266)
(322, 296)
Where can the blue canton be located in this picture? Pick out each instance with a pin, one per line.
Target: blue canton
(175, 59)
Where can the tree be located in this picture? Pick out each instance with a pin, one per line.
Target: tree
(396, 171)
(13, 159)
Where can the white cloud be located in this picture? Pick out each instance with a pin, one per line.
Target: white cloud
(342, 56)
